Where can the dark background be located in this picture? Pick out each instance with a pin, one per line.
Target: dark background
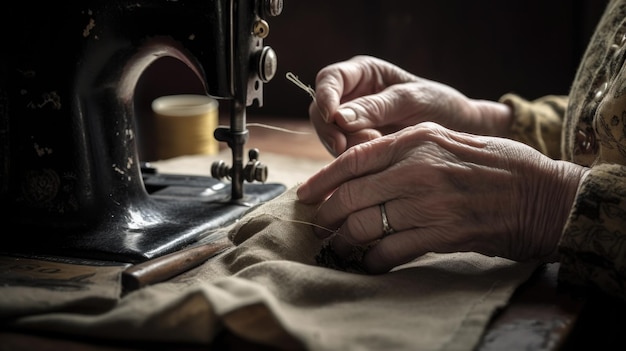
(484, 48)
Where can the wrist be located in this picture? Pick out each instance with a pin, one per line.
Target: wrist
(572, 176)
(495, 117)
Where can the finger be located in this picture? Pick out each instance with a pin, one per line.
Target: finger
(329, 89)
(396, 249)
(358, 161)
(363, 226)
(354, 208)
(348, 241)
(335, 139)
(342, 246)
(367, 225)
(361, 75)
(394, 106)
(330, 135)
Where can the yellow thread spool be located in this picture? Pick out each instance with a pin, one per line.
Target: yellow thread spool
(185, 124)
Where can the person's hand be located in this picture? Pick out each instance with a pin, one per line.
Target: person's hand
(444, 191)
(365, 97)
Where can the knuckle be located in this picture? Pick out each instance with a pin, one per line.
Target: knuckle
(353, 158)
(430, 132)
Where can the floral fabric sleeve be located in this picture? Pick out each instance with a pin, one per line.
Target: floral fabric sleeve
(593, 245)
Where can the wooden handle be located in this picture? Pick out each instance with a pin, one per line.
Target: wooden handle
(167, 266)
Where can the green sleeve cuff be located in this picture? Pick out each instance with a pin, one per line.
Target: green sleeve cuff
(538, 123)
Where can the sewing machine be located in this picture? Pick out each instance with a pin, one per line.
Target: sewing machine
(73, 182)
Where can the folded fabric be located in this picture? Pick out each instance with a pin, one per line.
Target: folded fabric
(273, 289)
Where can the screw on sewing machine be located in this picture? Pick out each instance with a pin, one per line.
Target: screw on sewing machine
(253, 171)
(261, 29)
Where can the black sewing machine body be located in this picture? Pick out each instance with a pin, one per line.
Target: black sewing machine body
(72, 180)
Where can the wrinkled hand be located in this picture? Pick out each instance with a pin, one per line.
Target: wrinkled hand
(364, 98)
(444, 191)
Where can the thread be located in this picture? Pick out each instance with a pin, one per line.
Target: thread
(332, 231)
(280, 129)
(184, 125)
(327, 257)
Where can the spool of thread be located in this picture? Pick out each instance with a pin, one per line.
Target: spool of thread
(185, 124)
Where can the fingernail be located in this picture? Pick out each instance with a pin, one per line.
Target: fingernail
(323, 112)
(303, 192)
(347, 114)
(325, 115)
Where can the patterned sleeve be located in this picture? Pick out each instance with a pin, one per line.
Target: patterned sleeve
(593, 245)
(538, 123)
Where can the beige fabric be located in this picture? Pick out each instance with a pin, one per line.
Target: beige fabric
(30, 286)
(269, 289)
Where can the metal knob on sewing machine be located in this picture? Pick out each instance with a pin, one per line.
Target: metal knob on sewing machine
(73, 90)
(253, 171)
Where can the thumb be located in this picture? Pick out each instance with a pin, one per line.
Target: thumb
(386, 110)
